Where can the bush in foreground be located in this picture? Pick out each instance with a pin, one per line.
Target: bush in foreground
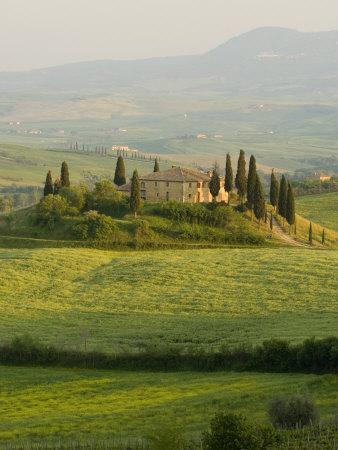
(234, 432)
(292, 412)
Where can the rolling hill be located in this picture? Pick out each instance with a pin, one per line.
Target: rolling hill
(271, 58)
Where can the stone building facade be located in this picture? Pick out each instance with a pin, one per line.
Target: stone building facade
(180, 184)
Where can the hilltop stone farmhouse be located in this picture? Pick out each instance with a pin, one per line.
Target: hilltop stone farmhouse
(183, 185)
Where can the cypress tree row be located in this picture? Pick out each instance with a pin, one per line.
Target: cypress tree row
(274, 190)
(214, 184)
(241, 181)
(310, 234)
(259, 201)
(229, 177)
(323, 236)
(64, 175)
(57, 186)
(283, 192)
(156, 166)
(135, 194)
(290, 206)
(120, 172)
(48, 189)
(251, 186)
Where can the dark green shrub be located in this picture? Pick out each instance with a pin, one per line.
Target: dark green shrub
(51, 209)
(106, 200)
(234, 432)
(100, 227)
(292, 412)
(74, 195)
(80, 231)
(209, 214)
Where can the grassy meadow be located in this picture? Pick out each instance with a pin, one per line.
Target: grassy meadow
(322, 208)
(114, 301)
(27, 166)
(49, 405)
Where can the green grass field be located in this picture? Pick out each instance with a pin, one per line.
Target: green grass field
(22, 166)
(322, 208)
(115, 301)
(43, 404)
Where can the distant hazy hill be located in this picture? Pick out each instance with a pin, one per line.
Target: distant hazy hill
(262, 60)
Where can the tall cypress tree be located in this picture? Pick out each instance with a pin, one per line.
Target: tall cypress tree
(259, 200)
(323, 236)
(64, 175)
(48, 189)
(57, 186)
(310, 234)
(156, 166)
(241, 181)
(290, 206)
(229, 177)
(251, 186)
(214, 184)
(283, 192)
(135, 194)
(120, 172)
(274, 190)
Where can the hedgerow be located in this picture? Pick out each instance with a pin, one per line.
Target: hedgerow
(270, 356)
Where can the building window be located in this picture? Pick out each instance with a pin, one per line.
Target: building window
(190, 185)
(156, 183)
(167, 183)
(189, 195)
(157, 195)
(167, 196)
(198, 185)
(143, 185)
(143, 195)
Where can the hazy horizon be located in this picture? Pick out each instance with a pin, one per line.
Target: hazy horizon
(36, 34)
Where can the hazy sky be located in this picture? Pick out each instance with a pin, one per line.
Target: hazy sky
(38, 33)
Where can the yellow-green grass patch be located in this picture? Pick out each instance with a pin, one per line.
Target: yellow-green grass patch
(113, 301)
(49, 404)
(321, 208)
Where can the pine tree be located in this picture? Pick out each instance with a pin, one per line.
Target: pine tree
(282, 199)
(274, 190)
(214, 184)
(323, 236)
(57, 186)
(48, 189)
(251, 185)
(290, 206)
(229, 177)
(259, 201)
(241, 181)
(120, 172)
(135, 194)
(156, 166)
(64, 175)
(310, 234)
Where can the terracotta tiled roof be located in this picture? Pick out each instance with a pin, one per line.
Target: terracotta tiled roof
(176, 174)
(124, 187)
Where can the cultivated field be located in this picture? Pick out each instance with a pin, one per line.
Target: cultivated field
(43, 404)
(322, 208)
(115, 301)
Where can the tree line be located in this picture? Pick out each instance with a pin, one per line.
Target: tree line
(275, 355)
